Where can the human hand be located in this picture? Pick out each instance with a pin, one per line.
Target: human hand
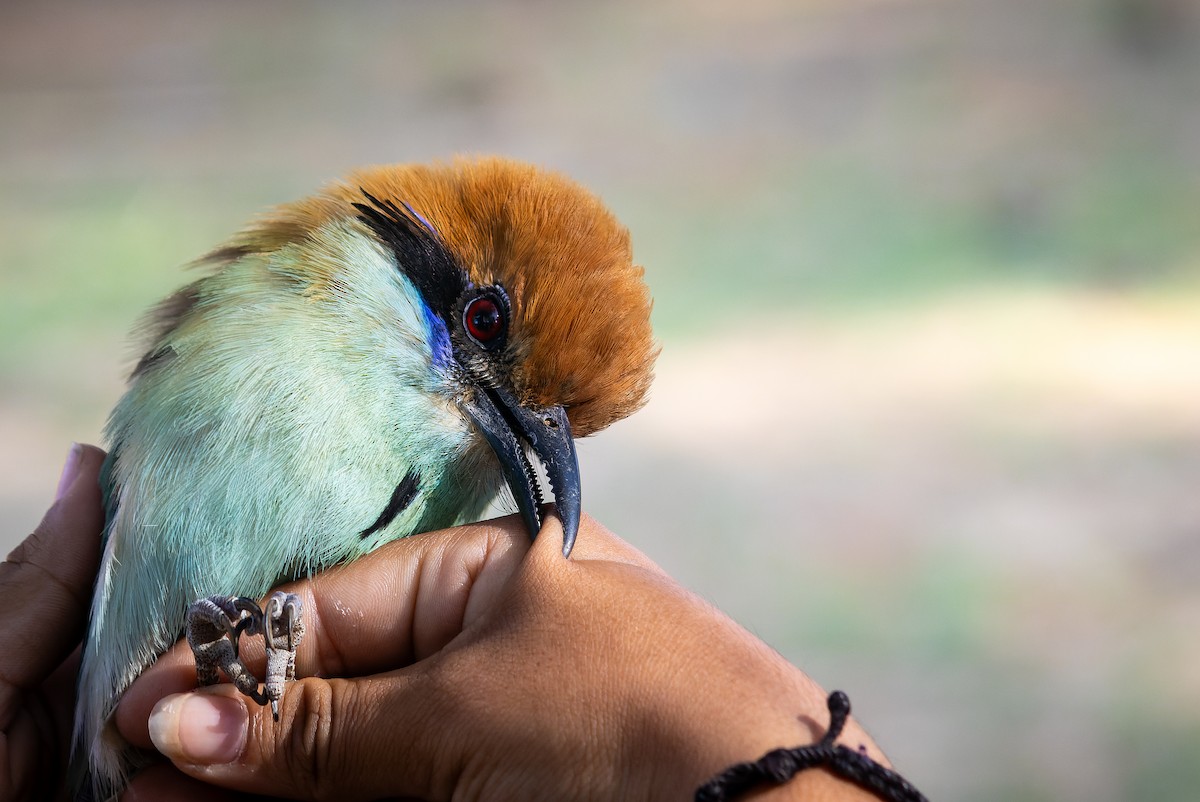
(471, 664)
(45, 593)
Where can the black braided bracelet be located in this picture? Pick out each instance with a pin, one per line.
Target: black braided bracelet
(780, 765)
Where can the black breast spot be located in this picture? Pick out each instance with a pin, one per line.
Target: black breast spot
(402, 496)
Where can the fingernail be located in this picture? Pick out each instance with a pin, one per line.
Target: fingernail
(199, 728)
(69, 471)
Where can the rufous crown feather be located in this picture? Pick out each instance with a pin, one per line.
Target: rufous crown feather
(580, 333)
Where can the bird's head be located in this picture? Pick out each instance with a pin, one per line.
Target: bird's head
(532, 297)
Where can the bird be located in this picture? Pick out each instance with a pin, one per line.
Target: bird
(378, 359)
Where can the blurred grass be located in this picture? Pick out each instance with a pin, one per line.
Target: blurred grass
(812, 239)
(835, 238)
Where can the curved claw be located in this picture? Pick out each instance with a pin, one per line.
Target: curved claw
(284, 627)
(214, 629)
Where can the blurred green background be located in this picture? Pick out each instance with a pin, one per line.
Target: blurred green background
(927, 279)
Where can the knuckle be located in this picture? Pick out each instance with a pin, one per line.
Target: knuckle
(27, 550)
(306, 746)
(27, 571)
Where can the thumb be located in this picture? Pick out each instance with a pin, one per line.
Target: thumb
(45, 584)
(366, 738)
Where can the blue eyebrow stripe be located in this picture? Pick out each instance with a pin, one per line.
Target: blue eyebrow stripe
(420, 217)
(439, 338)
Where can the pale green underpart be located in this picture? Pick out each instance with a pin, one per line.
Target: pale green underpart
(261, 449)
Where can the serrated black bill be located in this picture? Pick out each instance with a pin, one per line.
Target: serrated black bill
(508, 426)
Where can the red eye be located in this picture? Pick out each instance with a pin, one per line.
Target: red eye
(483, 320)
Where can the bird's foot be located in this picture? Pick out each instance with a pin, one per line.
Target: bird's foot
(283, 628)
(214, 626)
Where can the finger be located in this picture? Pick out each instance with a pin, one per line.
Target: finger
(385, 610)
(44, 587)
(388, 609)
(370, 738)
(166, 782)
(596, 543)
(406, 732)
(46, 583)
